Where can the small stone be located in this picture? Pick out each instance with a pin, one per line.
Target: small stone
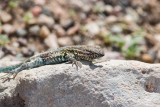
(51, 41)
(65, 41)
(36, 10)
(111, 19)
(5, 17)
(44, 32)
(9, 29)
(68, 23)
(72, 30)
(40, 2)
(9, 50)
(58, 10)
(43, 19)
(25, 51)
(108, 9)
(116, 29)
(1, 54)
(92, 28)
(47, 11)
(59, 31)
(77, 39)
(21, 32)
(15, 44)
(22, 41)
(147, 58)
(34, 30)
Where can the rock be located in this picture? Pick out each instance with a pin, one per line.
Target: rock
(77, 39)
(21, 32)
(5, 17)
(8, 29)
(92, 28)
(43, 19)
(59, 31)
(1, 54)
(34, 30)
(40, 2)
(44, 32)
(22, 41)
(36, 10)
(26, 52)
(67, 23)
(65, 41)
(109, 55)
(109, 84)
(9, 50)
(147, 58)
(72, 30)
(111, 19)
(116, 29)
(108, 9)
(51, 41)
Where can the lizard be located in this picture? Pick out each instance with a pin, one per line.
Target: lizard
(71, 54)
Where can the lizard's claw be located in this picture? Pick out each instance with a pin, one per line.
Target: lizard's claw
(8, 77)
(77, 63)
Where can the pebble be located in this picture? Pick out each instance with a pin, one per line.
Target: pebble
(146, 58)
(51, 41)
(40, 2)
(25, 51)
(1, 54)
(44, 32)
(21, 32)
(108, 9)
(65, 41)
(8, 29)
(111, 19)
(77, 39)
(34, 30)
(92, 28)
(116, 29)
(72, 30)
(15, 44)
(59, 31)
(45, 20)
(9, 50)
(36, 10)
(22, 41)
(68, 23)
(5, 17)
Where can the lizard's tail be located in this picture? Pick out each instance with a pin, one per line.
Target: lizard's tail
(7, 69)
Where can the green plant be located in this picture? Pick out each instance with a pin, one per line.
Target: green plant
(83, 28)
(72, 12)
(13, 4)
(97, 9)
(116, 39)
(133, 48)
(3, 39)
(27, 17)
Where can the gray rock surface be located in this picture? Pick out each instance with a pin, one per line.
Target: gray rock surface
(115, 83)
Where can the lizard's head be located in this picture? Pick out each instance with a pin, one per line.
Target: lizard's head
(95, 52)
(85, 52)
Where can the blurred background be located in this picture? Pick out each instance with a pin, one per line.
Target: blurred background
(125, 29)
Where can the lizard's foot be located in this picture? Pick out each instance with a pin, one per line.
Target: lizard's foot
(8, 77)
(77, 63)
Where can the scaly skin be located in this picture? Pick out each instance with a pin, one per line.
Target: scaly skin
(63, 54)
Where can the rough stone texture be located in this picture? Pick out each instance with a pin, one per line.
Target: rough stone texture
(114, 83)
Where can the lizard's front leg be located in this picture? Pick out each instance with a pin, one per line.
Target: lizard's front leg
(70, 58)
